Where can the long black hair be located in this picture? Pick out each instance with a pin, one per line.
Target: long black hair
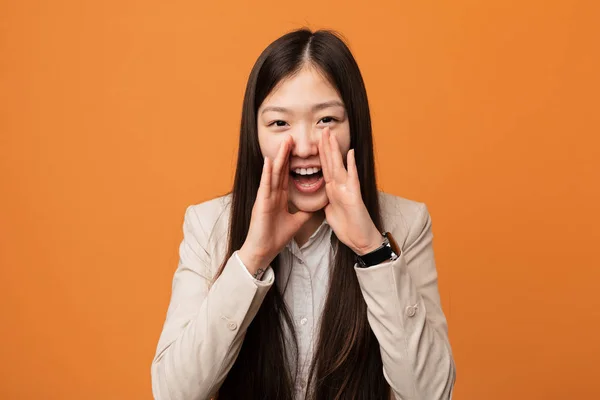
(347, 361)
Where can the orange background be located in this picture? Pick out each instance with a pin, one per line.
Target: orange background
(114, 116)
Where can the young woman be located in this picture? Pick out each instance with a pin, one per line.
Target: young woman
(305, 281)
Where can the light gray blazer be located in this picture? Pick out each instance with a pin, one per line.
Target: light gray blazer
(207, 319)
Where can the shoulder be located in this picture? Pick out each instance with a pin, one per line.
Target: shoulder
(404, 211)
(406, 219)
(208, 221)
(211, 209)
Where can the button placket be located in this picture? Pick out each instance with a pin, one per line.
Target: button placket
(303, 307)
(307, 273)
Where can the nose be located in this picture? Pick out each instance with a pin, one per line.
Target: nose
(306, 141)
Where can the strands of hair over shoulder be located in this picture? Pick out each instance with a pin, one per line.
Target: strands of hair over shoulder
(347, 362)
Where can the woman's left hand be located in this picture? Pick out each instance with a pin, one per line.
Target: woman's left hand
(346, 212)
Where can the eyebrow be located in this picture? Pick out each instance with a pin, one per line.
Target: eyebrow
(316, 107)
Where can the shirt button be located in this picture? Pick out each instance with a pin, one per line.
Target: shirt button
(232, 326)
(303, 321)
(411, 311)
(300, 261)
(302, 383)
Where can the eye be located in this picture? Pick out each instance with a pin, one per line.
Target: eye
(327, 120)
(278, 123)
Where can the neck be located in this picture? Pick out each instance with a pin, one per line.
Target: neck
(309, 227)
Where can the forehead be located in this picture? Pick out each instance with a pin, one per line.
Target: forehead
(308, 86)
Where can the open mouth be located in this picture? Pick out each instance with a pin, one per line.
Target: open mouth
(307, 179)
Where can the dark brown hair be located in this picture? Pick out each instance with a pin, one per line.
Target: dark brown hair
(347, 360)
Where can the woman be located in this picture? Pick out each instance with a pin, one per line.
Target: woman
(292, 286)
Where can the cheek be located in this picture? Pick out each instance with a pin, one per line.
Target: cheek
(343, 135)
(269, 143)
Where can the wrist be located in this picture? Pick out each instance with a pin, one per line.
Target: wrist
(388, 251)
(255, 264)
(374, 243)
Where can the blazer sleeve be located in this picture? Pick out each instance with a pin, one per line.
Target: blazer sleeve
(205, 324)
(405, 314)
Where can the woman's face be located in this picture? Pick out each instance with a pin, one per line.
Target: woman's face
(302, 106)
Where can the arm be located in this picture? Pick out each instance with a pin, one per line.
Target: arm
(205, 325)
(404, 311)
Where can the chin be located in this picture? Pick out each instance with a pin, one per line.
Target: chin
(309, 202)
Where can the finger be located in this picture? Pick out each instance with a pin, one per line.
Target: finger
(277, 165)
(352, 170)
(286, 172)
(264, 188)
(337, 162)
(323, 155)
(327, 144)
(285, 169)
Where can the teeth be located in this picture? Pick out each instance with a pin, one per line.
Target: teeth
(307, 171)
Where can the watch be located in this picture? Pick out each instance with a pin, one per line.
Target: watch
(388, 251)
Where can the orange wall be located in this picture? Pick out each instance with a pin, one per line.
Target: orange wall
(114, 116)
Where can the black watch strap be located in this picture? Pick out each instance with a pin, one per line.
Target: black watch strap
(379, 255)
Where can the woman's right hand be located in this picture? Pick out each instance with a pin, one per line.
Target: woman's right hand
(272, 226)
